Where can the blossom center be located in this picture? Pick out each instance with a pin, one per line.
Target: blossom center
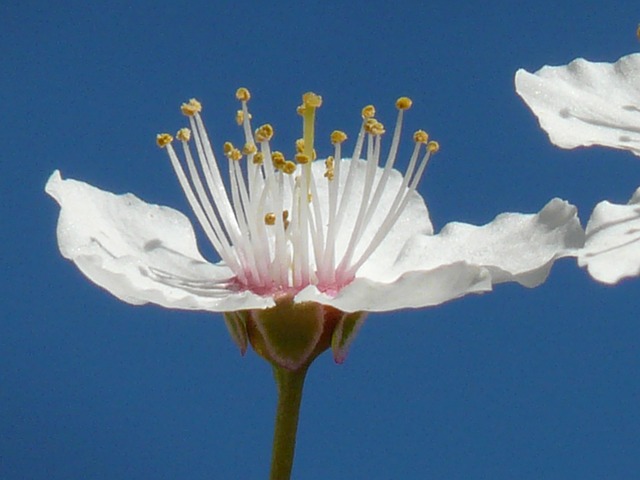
(281, 225)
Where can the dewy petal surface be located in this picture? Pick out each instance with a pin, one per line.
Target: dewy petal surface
(612, 249)
(587, 103)
(140, 252)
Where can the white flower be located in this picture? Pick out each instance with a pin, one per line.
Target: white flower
(584, 104)
(348, 234)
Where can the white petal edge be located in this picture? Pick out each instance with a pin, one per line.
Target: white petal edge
(139, 252)
(514, 247)
(586, 103)
(612, 249)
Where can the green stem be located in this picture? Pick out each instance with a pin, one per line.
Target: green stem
(290, 385)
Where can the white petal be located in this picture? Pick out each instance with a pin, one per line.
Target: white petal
(612, 249)
(513, 247)
(585, 103)
(140, 252)
(412, 289)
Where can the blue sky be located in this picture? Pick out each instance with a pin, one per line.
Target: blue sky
(517, 383)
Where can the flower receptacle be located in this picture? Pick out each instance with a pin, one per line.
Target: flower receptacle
(291, 335)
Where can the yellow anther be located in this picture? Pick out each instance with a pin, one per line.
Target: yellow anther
(184, 135)
(373, 126)
(289, 167)
(302, 159)
(300, 145)
(369, 111)
(240, 117)
(163, 139)
(378, 129)
(300, 110)
(330, 171)
(258, 158)
(403, 103)
(190, 108)
(264, 133)
(433, 146)
(227, 148)
(638, 32)
(368, 124)
(235, 155)
(249, 148)
(338, 136)
(312, 100)
(420, 136)
(270, 218)
(278, 159)
(243, 94)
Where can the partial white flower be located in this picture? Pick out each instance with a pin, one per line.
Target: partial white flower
(343, 233)
(612, 248)
(586, 103)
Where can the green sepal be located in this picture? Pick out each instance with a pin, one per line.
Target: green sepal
(344, 334)
(236, 323)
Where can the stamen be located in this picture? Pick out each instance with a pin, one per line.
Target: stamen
(334, 227)
(163, 139)
(329, 172)
(420, 136)
(369, 111)
(184, 135)
(258, 158)
(264, 133)
(191, 108)
(240, 117)
(235, 155)
(302, 159)
(338, 136)
(219, 243)
(311, 100)
(403, 103)
(288, 167)
(243, 94)
(278, 159)
(249, 149)
(398, 206)
(270, 218)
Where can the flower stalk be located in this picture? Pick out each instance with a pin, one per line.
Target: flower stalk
(290, 385)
